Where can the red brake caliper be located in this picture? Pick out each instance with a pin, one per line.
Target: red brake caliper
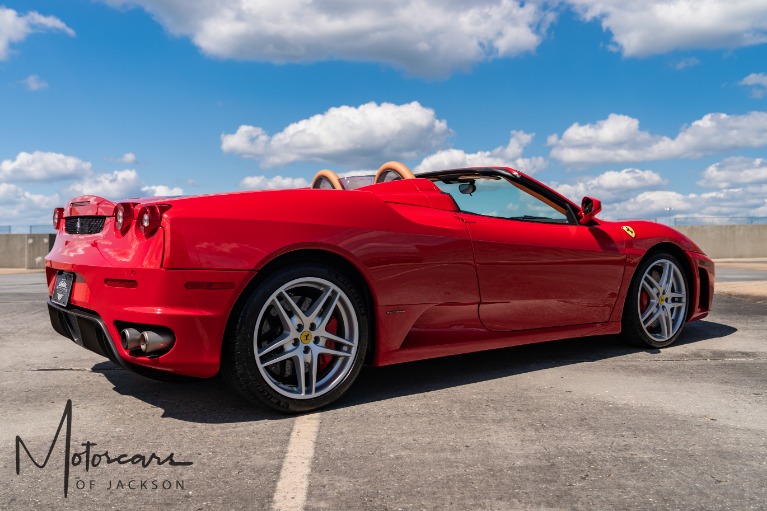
(644, 300)
(324, 360)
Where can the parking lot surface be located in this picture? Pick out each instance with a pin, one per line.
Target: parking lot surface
(575, 424)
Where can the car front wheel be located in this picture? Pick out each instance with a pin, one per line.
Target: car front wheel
(657, 301)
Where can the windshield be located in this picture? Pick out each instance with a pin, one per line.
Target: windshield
(352, 182)
(499, 197)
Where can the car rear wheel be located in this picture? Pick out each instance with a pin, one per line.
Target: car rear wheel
(299, 340)
(657, 301)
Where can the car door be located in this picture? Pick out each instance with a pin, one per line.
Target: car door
(536, 266)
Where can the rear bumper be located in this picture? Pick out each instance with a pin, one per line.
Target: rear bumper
(197, 317)
(85, 329)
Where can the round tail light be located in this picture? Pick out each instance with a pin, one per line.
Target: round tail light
(123, 217)
(149, 218)
(58, 214)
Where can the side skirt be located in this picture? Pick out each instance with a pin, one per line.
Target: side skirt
(423, 344)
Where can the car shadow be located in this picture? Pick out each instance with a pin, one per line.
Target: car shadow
(201, 401)
(212, 401)
(430, 375)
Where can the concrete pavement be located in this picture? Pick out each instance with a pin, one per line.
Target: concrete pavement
(742, 278)
(575, 424)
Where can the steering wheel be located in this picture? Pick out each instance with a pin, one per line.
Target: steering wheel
(400, 171)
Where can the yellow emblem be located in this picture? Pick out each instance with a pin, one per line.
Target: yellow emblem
(662, 300)
(629, 230)
(306, 337)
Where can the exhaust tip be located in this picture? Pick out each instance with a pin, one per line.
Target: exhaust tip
(130, 338)
(152, 342)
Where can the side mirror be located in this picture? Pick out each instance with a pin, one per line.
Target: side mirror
(589, 209)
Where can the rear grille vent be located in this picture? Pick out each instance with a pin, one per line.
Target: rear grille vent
(84, 224)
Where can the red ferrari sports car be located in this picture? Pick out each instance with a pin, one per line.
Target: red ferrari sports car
(287, 293)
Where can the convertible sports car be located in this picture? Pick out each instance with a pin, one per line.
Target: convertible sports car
(287, 293)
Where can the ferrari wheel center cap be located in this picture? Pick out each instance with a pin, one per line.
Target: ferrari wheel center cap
(306, 337)
(662, 300)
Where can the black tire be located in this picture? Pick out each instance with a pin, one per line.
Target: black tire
(654, 335)
(265, 382)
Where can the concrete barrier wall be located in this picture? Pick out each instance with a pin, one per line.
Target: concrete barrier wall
(718, 241)
(25, 250)
(723, 241)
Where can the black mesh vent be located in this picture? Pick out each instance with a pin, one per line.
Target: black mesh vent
(84, 224)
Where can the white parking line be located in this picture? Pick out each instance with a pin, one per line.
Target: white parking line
(293, 483)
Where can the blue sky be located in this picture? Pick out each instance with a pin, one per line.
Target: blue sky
(646, 105)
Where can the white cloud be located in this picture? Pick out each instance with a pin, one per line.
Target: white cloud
(43, 166)
(425, 37)
(14, 28)
(732, 202)
(115, 185)
(651, 205)
(504, 156)
(735, 171)
(686, 62)
(272, 183)
(357, 173)
(162, 190)
(34, 83)
(118, 185)
(611, 186)
(759, 212)
(619, 139)
(344, 135)
(651, 27)
(634, 193)
(21, 207)
(128, 158)
(758, 84)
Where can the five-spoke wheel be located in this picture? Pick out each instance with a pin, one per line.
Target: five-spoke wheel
(306, 337)
(656, 307)
(307, 330)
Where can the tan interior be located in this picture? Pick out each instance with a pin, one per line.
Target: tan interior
(330, 176)
(396, 167)
(400, 169)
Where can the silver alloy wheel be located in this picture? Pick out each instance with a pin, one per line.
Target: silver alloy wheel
(663, 306)
(306, 338)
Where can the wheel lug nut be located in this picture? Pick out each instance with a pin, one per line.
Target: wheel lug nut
(312, 327)
(306, 349)
(300, 328)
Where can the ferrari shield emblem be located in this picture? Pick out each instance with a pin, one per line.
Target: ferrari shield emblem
(629, 230)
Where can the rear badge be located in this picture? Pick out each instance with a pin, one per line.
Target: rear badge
(629, 231)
